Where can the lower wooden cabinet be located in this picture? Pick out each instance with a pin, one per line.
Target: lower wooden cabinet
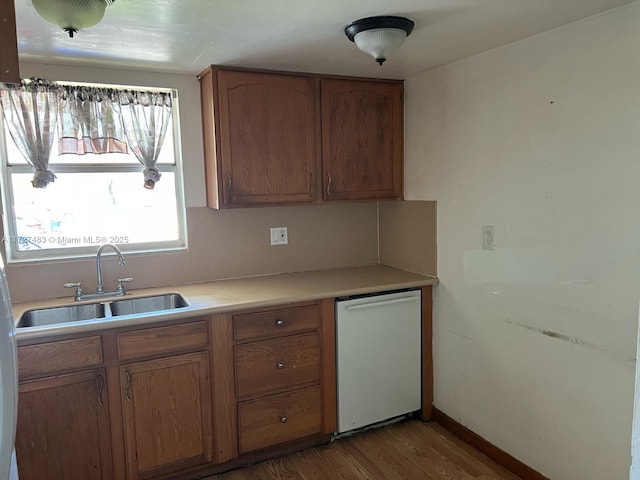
(277, 364)
(279, 419)
(279, 371)
(166, 406)
(63, 428)
(184, 396)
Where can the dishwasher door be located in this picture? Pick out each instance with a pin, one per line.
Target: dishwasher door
(378, 358)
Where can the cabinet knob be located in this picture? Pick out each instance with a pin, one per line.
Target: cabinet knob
(279, 323)
(280, 365)
(283, 419)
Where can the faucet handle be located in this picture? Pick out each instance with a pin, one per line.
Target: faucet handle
(121, 282)
(78, 287)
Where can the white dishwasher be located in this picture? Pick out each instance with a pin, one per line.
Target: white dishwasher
(378, 358)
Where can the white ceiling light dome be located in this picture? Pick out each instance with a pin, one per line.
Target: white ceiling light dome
(379, 36)
(72, 15)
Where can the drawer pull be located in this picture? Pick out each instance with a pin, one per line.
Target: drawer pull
(279, 323)
(283, 419)
(280, 365)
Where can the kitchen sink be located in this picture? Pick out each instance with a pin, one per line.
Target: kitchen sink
(71, 313)
(102, 310)
(156, 303)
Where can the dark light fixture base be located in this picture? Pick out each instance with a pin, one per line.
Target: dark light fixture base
(385, 21)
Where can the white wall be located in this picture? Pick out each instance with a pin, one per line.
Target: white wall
(535, 343)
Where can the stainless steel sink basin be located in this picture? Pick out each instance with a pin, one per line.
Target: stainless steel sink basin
(71, 313)
(102, 310)
(156, 303)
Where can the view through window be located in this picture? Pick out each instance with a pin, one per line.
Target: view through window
(95, 199)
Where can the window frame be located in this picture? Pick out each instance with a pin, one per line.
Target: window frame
(9, 225)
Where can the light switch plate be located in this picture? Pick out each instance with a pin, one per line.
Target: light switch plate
(279, 236)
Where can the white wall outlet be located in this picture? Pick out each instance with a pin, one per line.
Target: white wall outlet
(488, 237)
(279, 236)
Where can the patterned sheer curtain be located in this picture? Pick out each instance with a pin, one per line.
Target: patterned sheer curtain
(146, 116)
(31, 112)
(90, 121)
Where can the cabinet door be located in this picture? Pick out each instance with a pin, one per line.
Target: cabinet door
(167, 414)
(63, 428)
(267, 138)
(9, 71)
(361, 139)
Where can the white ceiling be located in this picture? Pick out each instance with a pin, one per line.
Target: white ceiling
(184, 36)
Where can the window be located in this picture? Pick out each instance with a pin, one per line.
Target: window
(95, 199)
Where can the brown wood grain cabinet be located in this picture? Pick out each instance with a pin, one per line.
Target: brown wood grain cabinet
(181, 399)
(9, 67)
(166, 404)
(361, 139)
(281, 418)
(265, 125)
(63, 428)
(278, 138)
(278, 361)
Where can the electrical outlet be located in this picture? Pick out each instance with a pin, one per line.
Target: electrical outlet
(279, 236)
(488, 237)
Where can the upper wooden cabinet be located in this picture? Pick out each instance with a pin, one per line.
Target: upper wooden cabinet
(9, 68)
(275, 138)
(361, 139)
(265, 125)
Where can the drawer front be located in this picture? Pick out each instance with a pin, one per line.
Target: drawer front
(52, 357)
(275, 323)
(275, 365)
(279, 419)
(161, 340)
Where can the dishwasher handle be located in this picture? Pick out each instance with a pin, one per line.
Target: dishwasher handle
(382, 302)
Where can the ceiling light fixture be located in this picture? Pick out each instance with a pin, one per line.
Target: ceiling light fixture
(379, 36)
(72, 15)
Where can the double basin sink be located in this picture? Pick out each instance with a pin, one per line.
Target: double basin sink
(101, 310)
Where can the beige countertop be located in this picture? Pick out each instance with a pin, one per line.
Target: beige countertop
(236, 294)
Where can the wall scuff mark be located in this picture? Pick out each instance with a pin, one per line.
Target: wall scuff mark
(556, 335)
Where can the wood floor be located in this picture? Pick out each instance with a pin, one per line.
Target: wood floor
(410, 450)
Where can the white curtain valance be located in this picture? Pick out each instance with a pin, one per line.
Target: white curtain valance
(89, 120)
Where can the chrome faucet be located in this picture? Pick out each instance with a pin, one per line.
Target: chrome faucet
(100, 290)
(100, 293)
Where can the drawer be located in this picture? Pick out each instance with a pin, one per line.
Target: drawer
(53, 357)
(279, 419)
(275, 365)
(275, 323)
(161, 340)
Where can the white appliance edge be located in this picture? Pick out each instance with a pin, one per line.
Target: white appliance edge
(8, 384)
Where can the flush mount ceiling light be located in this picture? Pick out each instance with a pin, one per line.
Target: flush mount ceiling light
(379, 36)
(72, 15)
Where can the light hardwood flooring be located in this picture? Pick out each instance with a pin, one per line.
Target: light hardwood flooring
(411, 450)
